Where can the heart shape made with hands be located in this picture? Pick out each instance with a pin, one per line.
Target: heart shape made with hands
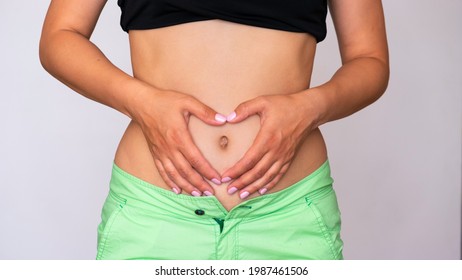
(223, 146)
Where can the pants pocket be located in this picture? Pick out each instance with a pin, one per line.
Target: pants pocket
(324, 207)
(112, 208)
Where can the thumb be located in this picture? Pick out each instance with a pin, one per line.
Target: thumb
(205, 113)
(246, 109)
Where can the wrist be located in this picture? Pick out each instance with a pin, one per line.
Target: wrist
(139, 99)
(315, 108)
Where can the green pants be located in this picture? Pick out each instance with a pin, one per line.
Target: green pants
(142, 221)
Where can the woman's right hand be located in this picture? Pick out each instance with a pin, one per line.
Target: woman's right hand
(163, 116)
(67, 53)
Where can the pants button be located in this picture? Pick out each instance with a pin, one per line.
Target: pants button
(199, 212)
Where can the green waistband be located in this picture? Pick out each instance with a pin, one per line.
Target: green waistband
(151, 198)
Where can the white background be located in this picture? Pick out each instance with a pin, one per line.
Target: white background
(396, 164)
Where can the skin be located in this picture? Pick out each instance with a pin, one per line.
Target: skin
(360, 81)
(182, 57)
(196, 83)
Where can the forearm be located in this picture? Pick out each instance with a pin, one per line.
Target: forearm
(78, 63)
(357, 84)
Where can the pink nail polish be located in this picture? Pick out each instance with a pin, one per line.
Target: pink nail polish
(216, 181)
(207, 193)
(226, 180)
(232, 190)
(263, 191)
(195, 193)
(244, 195)
(220, 118)
(175, 190)
(231, 116)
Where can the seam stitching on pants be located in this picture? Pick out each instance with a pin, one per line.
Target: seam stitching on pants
(106, 234)
(236, 240)
(322, 226)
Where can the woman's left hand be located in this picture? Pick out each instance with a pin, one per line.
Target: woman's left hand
(285, 122)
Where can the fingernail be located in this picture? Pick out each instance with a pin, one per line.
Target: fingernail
(195, 193)
(220, 118)
(263, 191)
(244, 195)
(231, 116)
(232, 190)
(207, 193)
(226, 180)
(175, 190)
(216, 181)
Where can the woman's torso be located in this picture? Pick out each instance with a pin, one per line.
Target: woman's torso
(222, 64)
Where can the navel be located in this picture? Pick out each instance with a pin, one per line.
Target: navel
(223, 142)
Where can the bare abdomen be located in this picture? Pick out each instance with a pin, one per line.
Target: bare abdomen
(222, 64)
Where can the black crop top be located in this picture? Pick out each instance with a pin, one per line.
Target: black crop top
(307, 16)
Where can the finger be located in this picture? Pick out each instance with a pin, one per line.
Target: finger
(175, 176)
(181, 140)
(249, 160)
(271, 184)
(166, 179)
(192, 176)
(275, 180)
(196, 181)
(262, 182)
(265, 170)
(246, 109)
(195, 158)
(204, 112)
